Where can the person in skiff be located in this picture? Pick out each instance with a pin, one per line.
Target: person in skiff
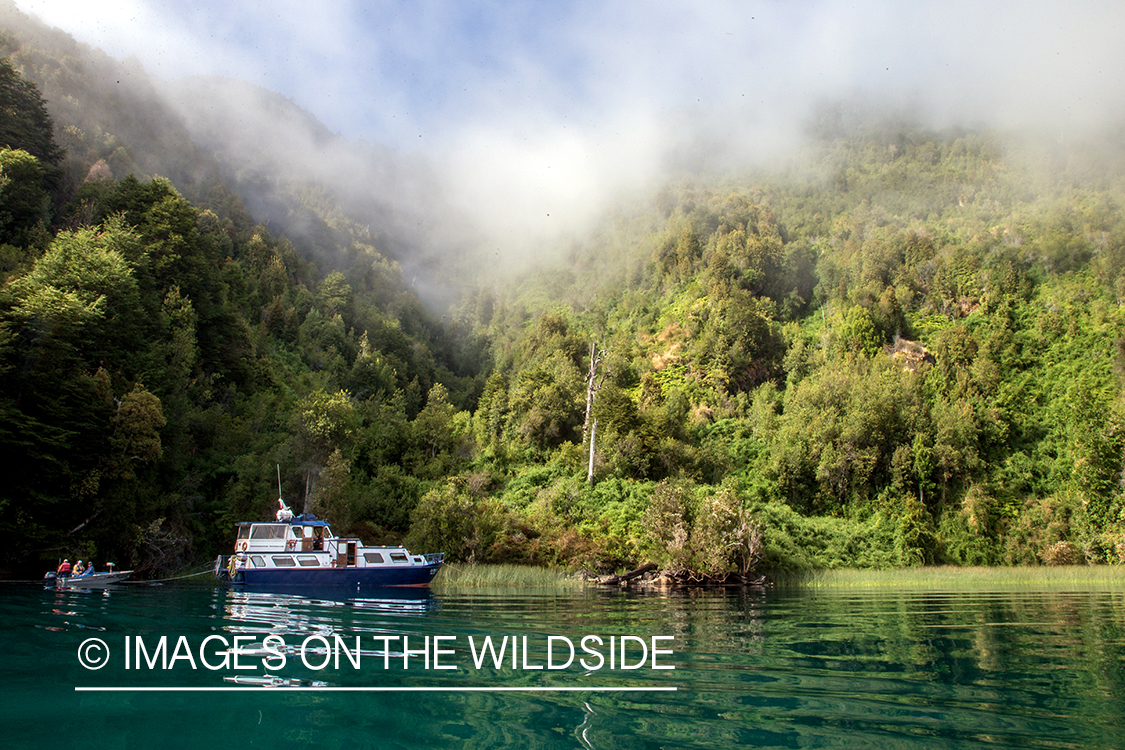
(78, 568)
(64, 569)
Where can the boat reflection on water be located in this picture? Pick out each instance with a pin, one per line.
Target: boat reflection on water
(299, 614)
(323, 610)
(404, 600)
(270, 680)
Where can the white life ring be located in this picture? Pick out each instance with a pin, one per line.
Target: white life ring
(244, 546)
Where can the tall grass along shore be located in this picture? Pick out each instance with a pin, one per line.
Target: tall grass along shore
(453, 576)
(976, 578)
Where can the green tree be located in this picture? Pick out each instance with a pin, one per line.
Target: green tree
(25, 123)
(323, 422)
(24, 202)
(137, 425)
(457, 519)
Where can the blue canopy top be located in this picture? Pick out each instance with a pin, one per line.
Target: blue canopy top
(307, 519)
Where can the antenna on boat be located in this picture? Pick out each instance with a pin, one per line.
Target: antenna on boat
(283, 513)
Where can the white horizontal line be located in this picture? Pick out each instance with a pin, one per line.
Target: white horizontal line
(234, 688)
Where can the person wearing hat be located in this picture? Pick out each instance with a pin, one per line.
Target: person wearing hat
(64, 569)
(78, 568)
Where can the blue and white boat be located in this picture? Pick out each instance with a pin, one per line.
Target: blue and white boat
(303, 551)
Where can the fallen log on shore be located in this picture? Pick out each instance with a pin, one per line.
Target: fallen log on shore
(648, 575)
(615, 580)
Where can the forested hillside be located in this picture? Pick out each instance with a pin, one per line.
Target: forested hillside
(905, 347)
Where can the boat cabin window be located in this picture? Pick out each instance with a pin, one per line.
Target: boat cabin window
(308, 561)
(243, 532)
(398, 557)
(258, 561)
(283, 561)
(269, 531)
(373, 557)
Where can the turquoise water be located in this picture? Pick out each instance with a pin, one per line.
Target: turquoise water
(787, 667)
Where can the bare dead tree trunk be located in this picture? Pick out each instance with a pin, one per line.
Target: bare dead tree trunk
(308, 491)
(590, 390)
(593, 438)
(593, 384)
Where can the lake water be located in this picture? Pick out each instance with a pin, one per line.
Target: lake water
(784, 667)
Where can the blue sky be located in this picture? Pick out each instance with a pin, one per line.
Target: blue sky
(384, 71)
(540, 106)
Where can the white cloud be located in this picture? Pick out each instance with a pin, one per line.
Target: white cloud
(391, 70)
(536, 109)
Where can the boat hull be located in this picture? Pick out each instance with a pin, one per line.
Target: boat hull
(95, 581)
(370, 577)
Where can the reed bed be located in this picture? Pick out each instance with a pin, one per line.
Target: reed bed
(526, 576)
(952, 578)
(928, 578)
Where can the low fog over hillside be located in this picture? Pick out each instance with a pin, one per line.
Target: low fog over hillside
(463, 131)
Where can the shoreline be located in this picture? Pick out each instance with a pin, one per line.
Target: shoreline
(953, 578)
(945, 577)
